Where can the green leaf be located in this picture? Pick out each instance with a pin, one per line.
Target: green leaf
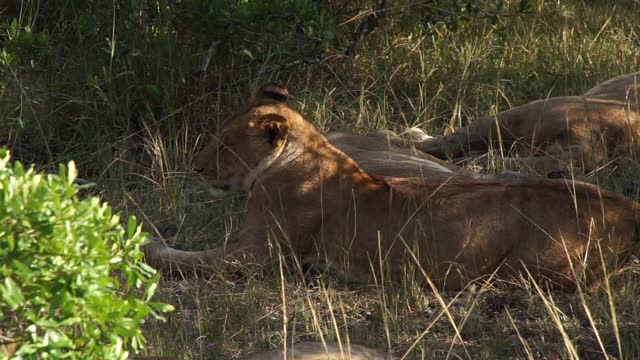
(132, 228)
(72, 172)
(162, 307)
(12, 294)
(71, 272)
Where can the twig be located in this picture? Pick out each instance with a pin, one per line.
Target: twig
(308, 60)
(210, 53)
(365, 28)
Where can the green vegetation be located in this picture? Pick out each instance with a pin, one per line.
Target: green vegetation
(128, 89)
(73, 281)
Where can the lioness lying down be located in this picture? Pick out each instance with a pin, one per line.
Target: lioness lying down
(310, 201)
(545, 135)
(377, 156)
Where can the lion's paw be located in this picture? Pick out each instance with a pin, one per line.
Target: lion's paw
(417, 134)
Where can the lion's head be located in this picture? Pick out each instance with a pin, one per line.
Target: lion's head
(250, 142)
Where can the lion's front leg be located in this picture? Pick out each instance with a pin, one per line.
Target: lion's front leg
(245, 253)
(249, 251)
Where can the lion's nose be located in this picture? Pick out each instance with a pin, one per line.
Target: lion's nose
(198, 170)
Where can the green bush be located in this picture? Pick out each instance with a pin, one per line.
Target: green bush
(72, 280)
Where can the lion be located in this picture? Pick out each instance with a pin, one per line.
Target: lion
(547, 136)
(315, 206)
(320, 351)
(377, 155)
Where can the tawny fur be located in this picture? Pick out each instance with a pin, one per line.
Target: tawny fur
(316, 204)
(320, 351)
(308, 351)
(546, 135)
(378, 156)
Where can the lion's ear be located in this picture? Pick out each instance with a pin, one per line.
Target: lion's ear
(270, 93)
(275, 128)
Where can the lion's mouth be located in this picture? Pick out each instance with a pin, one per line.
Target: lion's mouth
(222, 187)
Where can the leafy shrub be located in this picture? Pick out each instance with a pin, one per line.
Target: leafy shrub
(72, 280)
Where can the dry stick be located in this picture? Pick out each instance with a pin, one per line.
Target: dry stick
(365, 28)
(207, 58)
(306, 61)
(602, 28)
